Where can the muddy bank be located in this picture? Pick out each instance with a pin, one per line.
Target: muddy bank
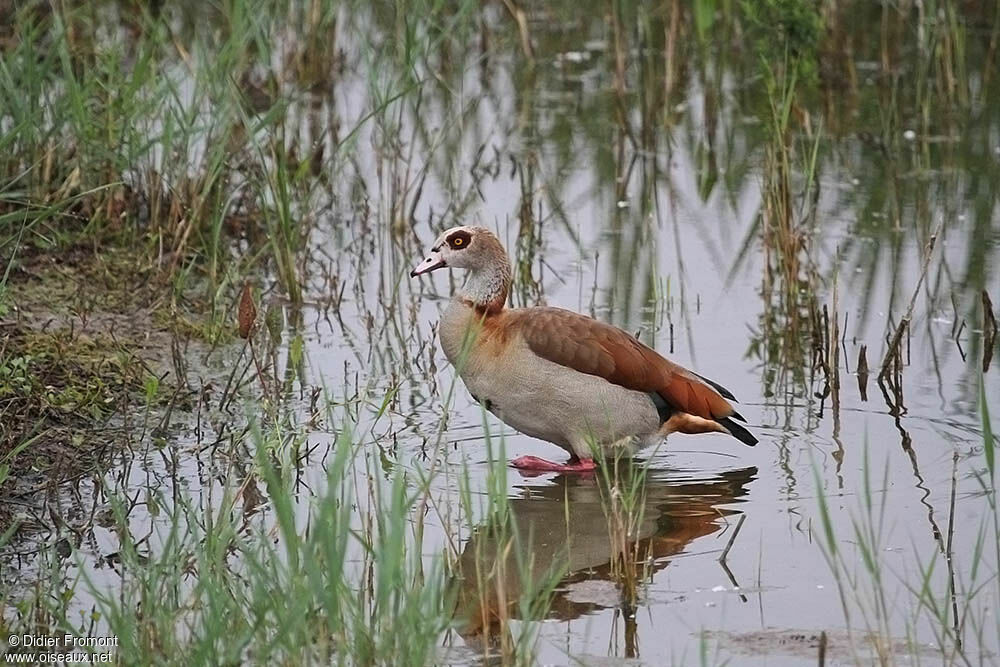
(87, 371)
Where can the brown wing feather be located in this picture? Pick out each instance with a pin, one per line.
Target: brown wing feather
(589, 346)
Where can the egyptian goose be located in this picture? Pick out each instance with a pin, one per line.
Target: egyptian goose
(559, 376)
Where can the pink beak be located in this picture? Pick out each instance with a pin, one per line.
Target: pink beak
(433, 262)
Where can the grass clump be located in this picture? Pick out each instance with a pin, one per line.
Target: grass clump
(144, 140)
(219, 593)
(50, 377)
(264, 575)
(787, 31)
(950, 592)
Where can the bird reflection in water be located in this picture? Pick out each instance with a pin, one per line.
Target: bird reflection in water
(567, 551)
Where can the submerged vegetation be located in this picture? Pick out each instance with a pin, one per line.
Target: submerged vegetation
(224, 434)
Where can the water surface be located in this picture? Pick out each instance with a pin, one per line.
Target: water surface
(639, 196)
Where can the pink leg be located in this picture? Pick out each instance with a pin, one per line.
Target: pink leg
(535, 464)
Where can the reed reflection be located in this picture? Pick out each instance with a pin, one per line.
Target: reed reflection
(585, 544)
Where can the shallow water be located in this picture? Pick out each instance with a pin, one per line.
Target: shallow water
(653, 224)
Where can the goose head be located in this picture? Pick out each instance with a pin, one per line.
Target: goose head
(479, 252)
(464, 247)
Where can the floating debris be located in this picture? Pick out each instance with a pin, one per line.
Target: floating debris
(989, 331)
(573, 56)
(863, 372)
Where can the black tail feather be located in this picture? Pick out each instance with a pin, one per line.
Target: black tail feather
(717, 387)
(725, 393)
(738, 432)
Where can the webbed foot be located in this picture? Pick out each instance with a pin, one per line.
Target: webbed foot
(535, 464)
